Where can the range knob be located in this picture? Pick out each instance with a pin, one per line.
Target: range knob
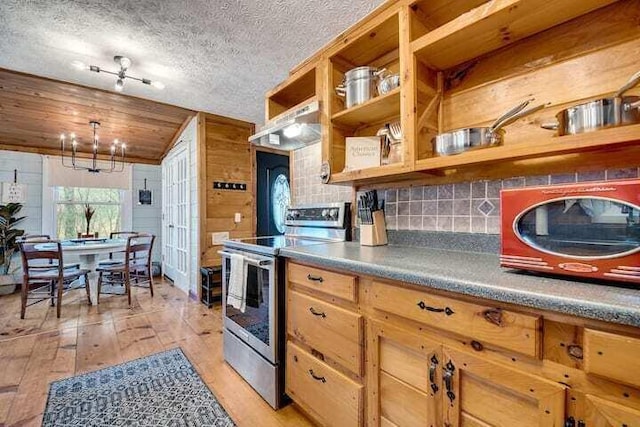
(325, 213)
(293, 214)
(334, 213)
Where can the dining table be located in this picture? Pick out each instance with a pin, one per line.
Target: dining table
(89, 252)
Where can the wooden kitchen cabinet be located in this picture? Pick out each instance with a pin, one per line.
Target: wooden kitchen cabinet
(333, 331)
(325, 345)
(480, 392)
(462, 64)
(389, 362)
(330, 396)
(484, 324)
(404, 378)
(586, 410)
(613, 356)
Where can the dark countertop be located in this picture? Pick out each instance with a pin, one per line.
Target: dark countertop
(479, 275)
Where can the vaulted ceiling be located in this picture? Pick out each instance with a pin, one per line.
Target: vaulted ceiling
(35, 111)
(214, 56)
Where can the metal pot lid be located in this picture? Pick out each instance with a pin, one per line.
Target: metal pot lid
(360, 73)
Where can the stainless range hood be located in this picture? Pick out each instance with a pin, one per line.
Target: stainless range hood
(291, 131)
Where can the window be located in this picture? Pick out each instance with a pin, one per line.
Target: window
(70, 206)
(280, 200)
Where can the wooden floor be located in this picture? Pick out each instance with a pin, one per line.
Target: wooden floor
(42, 348)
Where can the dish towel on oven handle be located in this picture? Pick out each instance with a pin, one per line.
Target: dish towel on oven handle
(237, 289)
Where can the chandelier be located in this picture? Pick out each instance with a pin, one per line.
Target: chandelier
(124, 64)
(116, 157)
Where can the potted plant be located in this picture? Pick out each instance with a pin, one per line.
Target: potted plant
(88, 214)
(8, 245)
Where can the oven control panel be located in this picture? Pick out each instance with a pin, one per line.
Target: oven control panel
(326, 215)
(313, 214)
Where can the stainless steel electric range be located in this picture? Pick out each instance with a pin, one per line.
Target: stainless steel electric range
(254, 340)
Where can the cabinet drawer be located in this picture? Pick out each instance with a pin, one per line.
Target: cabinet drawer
(613, 356)
(335, 284)
(332, 397)
(488, 325)
(331, 330)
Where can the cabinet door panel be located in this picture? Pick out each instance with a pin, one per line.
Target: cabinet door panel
(399, 384)
(597, 412)
(613, 356)
(477, 392)
(405, 365)
(396, 396)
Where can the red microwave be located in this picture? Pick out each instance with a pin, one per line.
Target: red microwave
(586, 230)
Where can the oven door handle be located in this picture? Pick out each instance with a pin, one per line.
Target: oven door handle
(260, 262)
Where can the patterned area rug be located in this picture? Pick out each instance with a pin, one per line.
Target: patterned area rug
(163, 389)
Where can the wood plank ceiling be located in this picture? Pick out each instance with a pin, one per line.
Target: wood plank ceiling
(34, 111)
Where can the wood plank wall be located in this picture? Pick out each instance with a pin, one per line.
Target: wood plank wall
(225, 155)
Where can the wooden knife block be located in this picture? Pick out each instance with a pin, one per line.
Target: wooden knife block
(374, 234)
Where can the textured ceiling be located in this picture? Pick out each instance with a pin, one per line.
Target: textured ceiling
(215, 56)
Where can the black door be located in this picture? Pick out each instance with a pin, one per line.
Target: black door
(273, 192)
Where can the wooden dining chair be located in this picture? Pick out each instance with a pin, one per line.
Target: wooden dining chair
(44, 264)
(134, 271)
(116, 257)
(51, 283)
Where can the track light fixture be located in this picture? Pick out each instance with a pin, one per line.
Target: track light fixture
(122, 75)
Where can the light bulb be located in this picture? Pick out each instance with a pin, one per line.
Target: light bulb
(119, 85)
(80, 65)
(115, 141)
(125, 62)
(62, 136)
(293, 131)
(75, 143)
(157, 84)
(123, 146)
(72, 136)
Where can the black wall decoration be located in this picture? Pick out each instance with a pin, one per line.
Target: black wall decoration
(145, 196)
(232, 186)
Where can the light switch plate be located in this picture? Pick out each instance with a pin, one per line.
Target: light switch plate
(238, 218)
(217, 238)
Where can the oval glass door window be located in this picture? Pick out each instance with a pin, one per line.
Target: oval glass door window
(581, 227)
(280, 200)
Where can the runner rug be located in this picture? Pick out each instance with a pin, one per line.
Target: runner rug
(163, 389)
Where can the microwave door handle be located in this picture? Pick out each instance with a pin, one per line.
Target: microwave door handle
(259, 262)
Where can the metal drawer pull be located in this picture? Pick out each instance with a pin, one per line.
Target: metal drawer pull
(449, 369)
(321, 379)
(317, 313)
(432, 373)
(315, 278)
(445, 310)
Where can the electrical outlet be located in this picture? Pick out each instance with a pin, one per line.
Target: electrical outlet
(217, 238)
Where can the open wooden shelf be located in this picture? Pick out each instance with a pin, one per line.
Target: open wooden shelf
(552, 146)
(369, 173)
(290, 93)
(493, 25)
(373, 111)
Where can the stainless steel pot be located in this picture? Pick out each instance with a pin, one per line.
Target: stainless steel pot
(601, 113)
(466, 139)
(359, 85)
